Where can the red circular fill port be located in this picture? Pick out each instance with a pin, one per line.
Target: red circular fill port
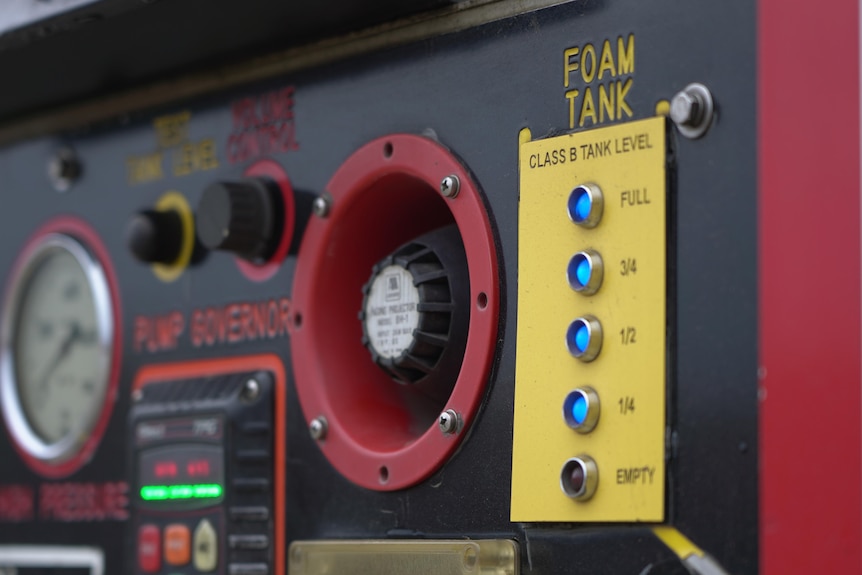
(380, 434)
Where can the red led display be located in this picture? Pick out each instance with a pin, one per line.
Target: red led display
(181, 464)
(165, 469)
(198, 468)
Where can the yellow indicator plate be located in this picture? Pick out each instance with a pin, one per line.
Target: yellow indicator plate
(626, 162)
(379, 557)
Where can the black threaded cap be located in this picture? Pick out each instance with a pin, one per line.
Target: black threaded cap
(244, 217)
(155, 236)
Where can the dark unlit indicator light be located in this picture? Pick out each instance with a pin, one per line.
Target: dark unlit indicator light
(581, 409)
(585, 272)
(178, 492)
(584, 338)
(579, 477)
(585, 205)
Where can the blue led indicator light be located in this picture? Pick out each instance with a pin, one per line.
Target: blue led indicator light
(579, 409)
(582, 337)
(585, 272)
(582, 206)
(585, 205)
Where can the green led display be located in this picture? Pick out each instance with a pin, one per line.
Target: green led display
(174, 492)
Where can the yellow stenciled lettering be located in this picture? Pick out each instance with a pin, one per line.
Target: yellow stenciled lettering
(184, 160)
(607, 60)
(145, 168)
(569, 64)
(588, 108)
(622, 105)
(626, 55)
(606, 102)
(207, 154)
(588, 60)
(572, 95)
(195, 157)
(606, 71)
(172, 130)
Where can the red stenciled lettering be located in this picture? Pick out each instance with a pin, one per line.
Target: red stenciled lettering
(198, 329)
(287, 138)
(268, 107)
(259, 319)
(168, 330)
(74, 502)
(272, 319)
(238, 322)
(141, 330)
(248, 321)
(17, 503)
(262, 126)
(284, 305)
(158, 333)
(243, 146)
(234, 331)
(215, 325)
(286, 100)
(243, 115)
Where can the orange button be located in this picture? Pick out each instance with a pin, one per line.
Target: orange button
(178, 544)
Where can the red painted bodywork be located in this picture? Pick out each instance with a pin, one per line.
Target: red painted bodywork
(809, 212)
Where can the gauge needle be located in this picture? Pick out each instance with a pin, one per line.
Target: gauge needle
(74, 335)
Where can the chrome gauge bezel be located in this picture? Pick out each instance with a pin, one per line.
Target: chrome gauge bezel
(10, 399)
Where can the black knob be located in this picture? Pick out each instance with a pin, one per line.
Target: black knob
(155, 236)
(416, 312)
(244, 217)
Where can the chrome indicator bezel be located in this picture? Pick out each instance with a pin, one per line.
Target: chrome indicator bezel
(13, 410)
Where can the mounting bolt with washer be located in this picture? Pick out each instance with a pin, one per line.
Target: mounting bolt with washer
(322, 205)
(318, 428)
(250, 390)
(692, 110)
(450, 186)
(449, 422)
(64, 168)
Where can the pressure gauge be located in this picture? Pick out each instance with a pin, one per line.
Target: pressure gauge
(57, 337)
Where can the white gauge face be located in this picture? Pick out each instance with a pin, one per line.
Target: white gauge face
(58, 331)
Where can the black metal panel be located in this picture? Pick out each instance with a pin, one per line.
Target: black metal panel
(70, 52)
(475, 89)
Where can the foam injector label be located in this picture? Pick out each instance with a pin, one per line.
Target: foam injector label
(590, 388)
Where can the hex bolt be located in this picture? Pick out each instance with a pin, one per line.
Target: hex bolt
(449, 422)
(64, 168)
(250, 390)
(450, 186)
(318, 428)
(322, 205)
(692, 110)
(685, 109)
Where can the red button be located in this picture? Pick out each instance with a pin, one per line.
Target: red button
(149, 548)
